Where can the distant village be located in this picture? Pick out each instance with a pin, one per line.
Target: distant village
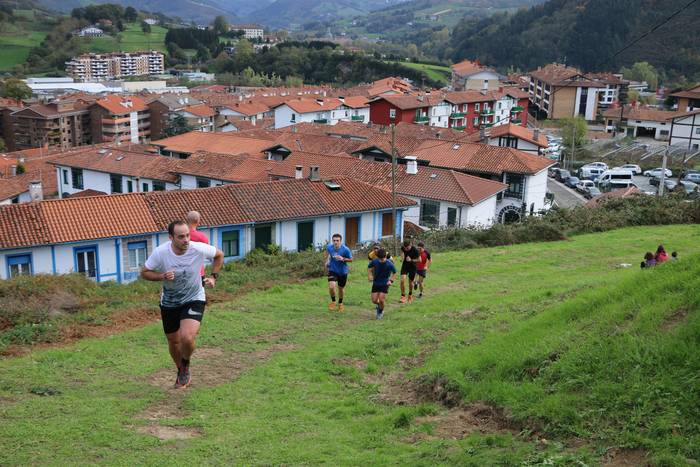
(98, 163)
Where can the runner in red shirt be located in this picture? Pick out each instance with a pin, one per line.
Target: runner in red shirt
(424, 261)
(193, 218)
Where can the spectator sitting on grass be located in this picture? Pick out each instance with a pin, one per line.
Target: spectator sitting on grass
(661, 256)
(674, 256)
(649, 260)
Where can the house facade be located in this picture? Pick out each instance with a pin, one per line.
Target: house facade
(640, 121)
(388, 109)
(120, 119)
(110, 237)
(61, 124)
(327, 111)
(468, 75)
(685, 131)
(558, 91)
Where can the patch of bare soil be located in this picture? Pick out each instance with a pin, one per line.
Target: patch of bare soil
(459, 422)
(674, 320)
(626, 457)
(210, 367)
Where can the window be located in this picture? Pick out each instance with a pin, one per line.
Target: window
(263, 236)
(697, 131)
(15, 200)
(429, 213)
(19, 265)
(158, 186)
(387, 222)
(86, 261)
(230, 243)
(392, 113)
(516, 185)
(137, 254)
(144, 187)
(77, 176)
(508, 141)
(65, 177)
(486, 84)
(203, 182)
(305, 235)
(451, 217)
(294, 117)
(476, 121)
(476, 107)
(115, 183)
(129, 186)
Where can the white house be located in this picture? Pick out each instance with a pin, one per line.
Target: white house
(327, 111)
(513, 136)
(641, 121)
(21, 188)
(685, 131)
(472, 75)
(110, 237)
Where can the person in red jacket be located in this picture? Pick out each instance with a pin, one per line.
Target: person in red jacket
(193, 219)
(660, 255)
(424, 261)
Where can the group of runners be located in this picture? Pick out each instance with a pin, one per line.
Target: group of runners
(179, 264)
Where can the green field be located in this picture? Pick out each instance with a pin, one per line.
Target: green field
(535, 354)
(132, 39)
(442, 74)
(16, 40)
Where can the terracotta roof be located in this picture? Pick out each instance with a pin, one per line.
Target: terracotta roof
(201, 110)
(517, 93)
(51, 110)
(173, 101)
(226, 167)
(249, 108)
(389, 85)
(692, 93)
(86, 193)
(11, 103)
(223, 143)
(641, 113)
(307, 105)
(244, 125)
(356, 102)
(14, 186)
(468, 68)
(119, 105)
(96, 217)
(607, 78)
(480, 158)
(209, 88)
(404, 102)
(518, 131)
(687, 114)
(467, 97)
(121, 161)
(562, 75)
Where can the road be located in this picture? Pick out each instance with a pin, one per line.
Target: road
(564, 196)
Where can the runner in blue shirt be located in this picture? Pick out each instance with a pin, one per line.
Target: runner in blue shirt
(337, 257)
(381, 273)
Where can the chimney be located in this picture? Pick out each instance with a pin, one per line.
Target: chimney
(319, 102)
(411, 165)
(536, 134)
(13, 170)
(437, 135)
(315, 173)
(36, 193)
(482, 135)
(298, 172)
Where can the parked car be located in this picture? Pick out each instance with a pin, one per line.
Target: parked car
(571, 182)
(614, 179)
(552, 172)
(599, 165)
(592, 192)
(590, 173)
(689, 186)
(583, 185)
(657, 172)
(636, 170)
(692, 177)
(563, 175)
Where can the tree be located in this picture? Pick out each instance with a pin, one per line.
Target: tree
(632, 96)
(220, 25)
(130, 14)
(176, 126)
(642, 71)
(15, 88)
(20, 169)
(145, 27)
(3, 147)
(574, 129)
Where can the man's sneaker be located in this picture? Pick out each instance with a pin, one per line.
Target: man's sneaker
(341, 307)
(402, 299)
(415, 285)
(380, 313)
(420, 295)
(183, 376)
(410, 298)
(331, 306)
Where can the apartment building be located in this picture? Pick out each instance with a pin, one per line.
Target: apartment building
(615, 89)
(199, 116)
(102, 67)
(559, 91)
(250, 31)
(120, 119)
(468, 75)
(60, 124)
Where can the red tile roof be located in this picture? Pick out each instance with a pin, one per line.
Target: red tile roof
(119, 105)
(692, 93)
(356, 102)
(306, 105)
(14, 186)
(223, 143)
(468, 68)
(201, 110)
(518, 131)
(561, 75)
(641, 113)
(467, 97)
(404, 102)
(23, 225)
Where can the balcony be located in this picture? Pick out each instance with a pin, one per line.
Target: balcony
(358, 118)
(487, 112)
(421, 119)
(517, 108)
(456, 115)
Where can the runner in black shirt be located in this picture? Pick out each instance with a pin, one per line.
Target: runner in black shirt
(410, 257)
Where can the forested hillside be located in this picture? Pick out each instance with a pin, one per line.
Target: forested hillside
(586, 34)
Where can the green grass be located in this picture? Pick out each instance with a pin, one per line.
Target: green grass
(132, 39)
(442, 74)
(16, 41)
(571, 346)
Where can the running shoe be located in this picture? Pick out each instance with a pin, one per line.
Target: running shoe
(341, 307)
(415, 285)
(331, 306)
(410, 298)
(380, 313)
(420, 295)
(403, 299)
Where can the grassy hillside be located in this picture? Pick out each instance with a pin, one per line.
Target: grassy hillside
(441, 74)
(132, 39)
(17, 37)
(543, 353)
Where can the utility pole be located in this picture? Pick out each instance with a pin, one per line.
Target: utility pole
(393, 184)
(573, 145)
(662, 180)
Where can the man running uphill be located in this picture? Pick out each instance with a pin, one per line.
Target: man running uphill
(177, 264)
(337, 257)
(408, 269)
(381, 273)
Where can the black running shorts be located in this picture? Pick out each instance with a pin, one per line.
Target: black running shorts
(380, 288)
(422, 272)
(341, 279)
(172, 316)
(408, 270)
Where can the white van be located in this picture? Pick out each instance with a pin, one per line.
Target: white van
(590, 173)
(615, 178)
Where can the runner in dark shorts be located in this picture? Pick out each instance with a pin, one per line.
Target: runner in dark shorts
(408, 269)
(381, 273)
(178, 264)
(337, 257)
(424, 262)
